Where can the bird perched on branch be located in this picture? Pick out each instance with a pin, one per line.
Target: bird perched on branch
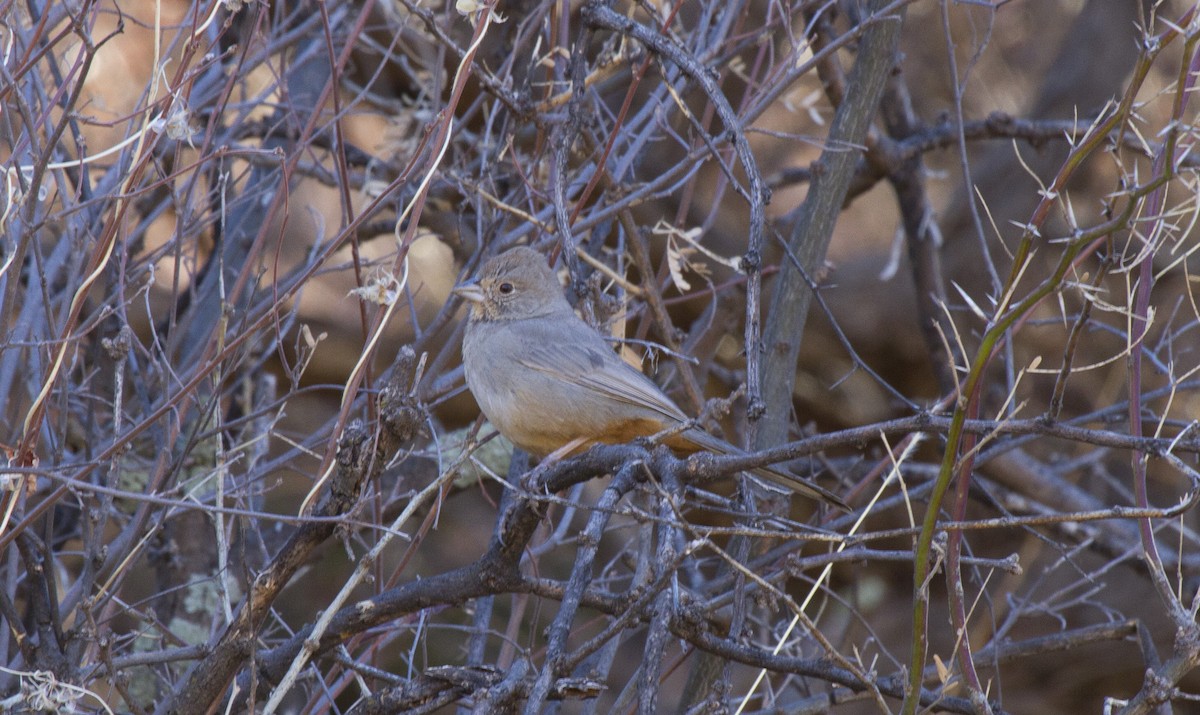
(551, 384)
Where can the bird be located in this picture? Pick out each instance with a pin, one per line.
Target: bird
(551, 384)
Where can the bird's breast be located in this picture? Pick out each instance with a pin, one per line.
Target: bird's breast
(540, 411)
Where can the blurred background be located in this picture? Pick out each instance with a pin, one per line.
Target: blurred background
(229, 235)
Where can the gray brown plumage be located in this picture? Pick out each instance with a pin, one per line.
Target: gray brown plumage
(544, 378)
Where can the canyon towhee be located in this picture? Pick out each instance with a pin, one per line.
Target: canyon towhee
(547, 381)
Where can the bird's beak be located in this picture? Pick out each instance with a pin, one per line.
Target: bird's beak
(469, 291)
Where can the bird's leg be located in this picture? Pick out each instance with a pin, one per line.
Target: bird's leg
(554, 457)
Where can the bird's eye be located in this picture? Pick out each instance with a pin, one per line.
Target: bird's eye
(506, 288)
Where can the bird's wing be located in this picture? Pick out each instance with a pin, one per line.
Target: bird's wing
(585, 361)
(592, 365)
